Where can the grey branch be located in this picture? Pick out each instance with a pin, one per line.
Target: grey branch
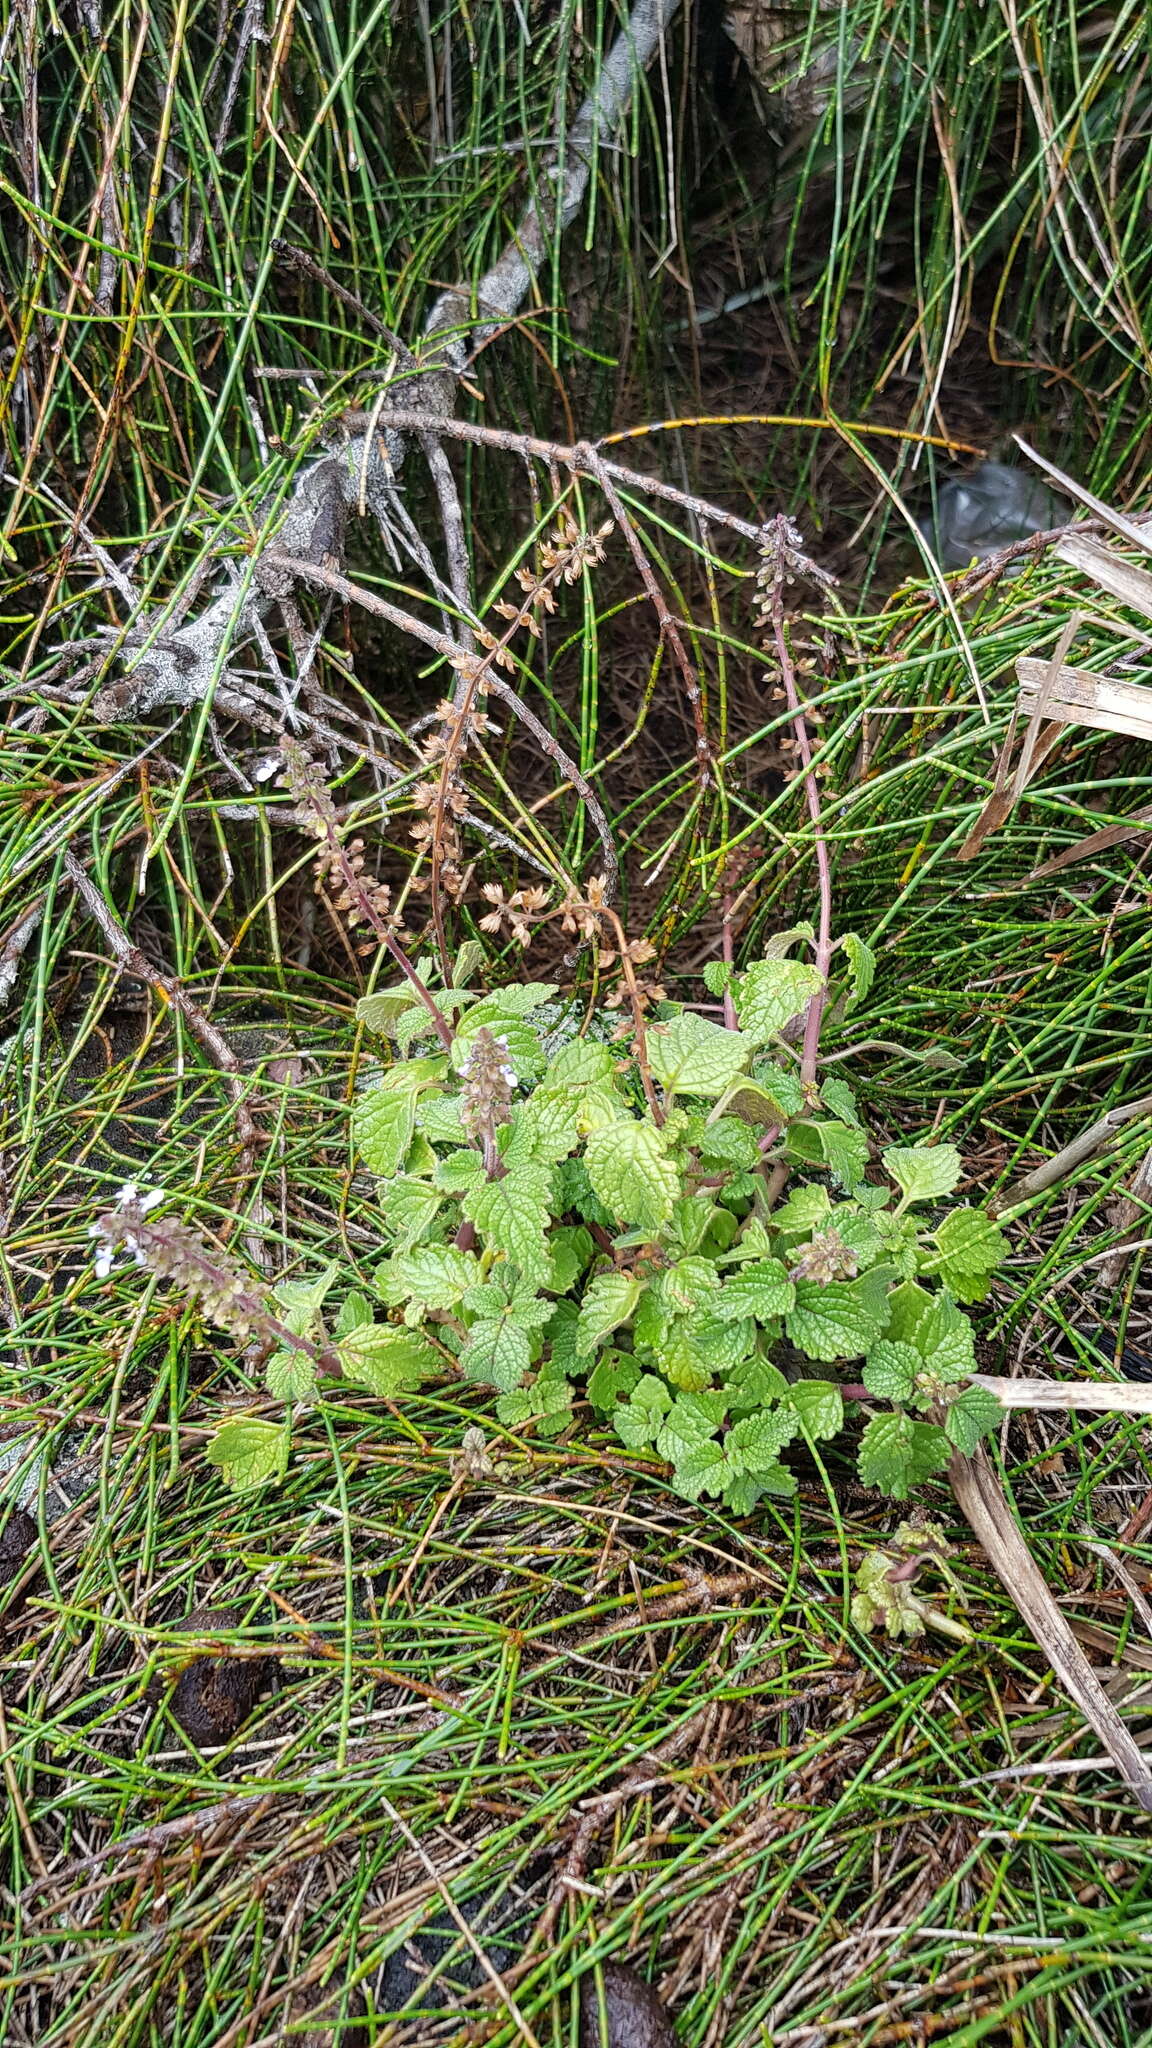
(168, 662)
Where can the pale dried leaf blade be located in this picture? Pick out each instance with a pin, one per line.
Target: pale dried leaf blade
(1096, 842)
(1079, 696)
(999, 804)
(1137, 536)
(1119, 578)
(1046, 688)
(990, 1517)
(1103, 1397)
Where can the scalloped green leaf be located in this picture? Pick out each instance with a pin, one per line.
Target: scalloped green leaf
(840, 1320)
(512, 1216)
(890, 1370)
(386, 1358)
(820, 1407)
(632, 1174)
(497, 1352)
(692, 1056)
(434, 1275)
(248, 1451)
(771, 992)
(609, 1300)
(974, 1414)
(923, 1173)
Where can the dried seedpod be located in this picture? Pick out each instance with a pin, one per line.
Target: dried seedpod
(214, 1696)
(635, 2017)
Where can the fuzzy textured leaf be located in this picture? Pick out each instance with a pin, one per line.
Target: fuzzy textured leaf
(838, 1099)
(945, 1341)
(615, 1374)
(386, 1359)
(762, 1290)
(409, 1207)
(298, 1302)
(247, 1451)
(382, 1125)
(632, 1174)
(923, 1173)
(688, 1283)
(546, 1127)
(728, 1141)
(970, 1244)
(820, 1407)
(355, 1309)
(513, 1214)
(639, 1419)
(698, 1345)
(771, 992)
(691, 1419)
(609, 1300)
(703, 1468)
(290, 1376)
(547, 1402)
(861, 964)
(434, 1275)
(756, 1381)
(515, 999)
(974, 1414)
(897, 1453)
(458, 1171)
(755, 1443)
(890, 1370)
(583, 1064)
(497, 1353)
(840, 1320)
(693, 1056)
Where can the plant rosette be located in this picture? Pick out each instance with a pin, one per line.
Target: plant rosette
(584, 1218)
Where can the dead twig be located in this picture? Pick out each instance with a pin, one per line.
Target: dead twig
(134, 962)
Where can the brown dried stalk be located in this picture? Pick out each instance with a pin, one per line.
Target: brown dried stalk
(459, 657)
(309, 788)
(783, 560)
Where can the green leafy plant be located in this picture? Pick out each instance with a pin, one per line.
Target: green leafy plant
(683, 1231)
(568, 1216)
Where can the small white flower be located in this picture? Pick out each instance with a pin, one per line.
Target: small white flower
(104, 1256)
(129, 1196)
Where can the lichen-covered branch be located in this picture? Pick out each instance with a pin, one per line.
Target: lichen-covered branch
(186, 662)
